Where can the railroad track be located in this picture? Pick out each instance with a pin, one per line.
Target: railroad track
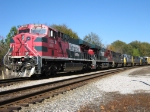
(8, 82)
(16, 98)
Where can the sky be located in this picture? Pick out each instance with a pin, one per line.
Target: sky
(111, 20)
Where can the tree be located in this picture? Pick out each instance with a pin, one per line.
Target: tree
(128, 49)
(1, 43)
(4, 45)
(110, 47)
(3, 48)
(93, 39)
(119, 46)
(64, 29)
(12, 33)
(136, 52)
(140, 48)
(135, 44)
(144, 48)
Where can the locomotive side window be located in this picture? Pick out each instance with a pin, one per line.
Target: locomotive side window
(51, 33)
(58, 34)
(62, 35)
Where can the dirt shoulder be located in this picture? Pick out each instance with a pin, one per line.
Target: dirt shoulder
(117, 102)
(121, 103)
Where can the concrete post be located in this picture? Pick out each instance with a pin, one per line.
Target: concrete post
(3, 75)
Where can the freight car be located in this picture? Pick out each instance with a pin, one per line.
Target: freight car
(137, 60)
(40, 50)
(147, 59)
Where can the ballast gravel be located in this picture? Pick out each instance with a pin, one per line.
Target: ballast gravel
(72, 101)
(37, 82)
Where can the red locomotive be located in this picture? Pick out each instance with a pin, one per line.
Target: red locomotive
(38, 49)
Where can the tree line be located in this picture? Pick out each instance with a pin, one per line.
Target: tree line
(135, 48)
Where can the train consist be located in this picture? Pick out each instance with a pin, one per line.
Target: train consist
(40, 50)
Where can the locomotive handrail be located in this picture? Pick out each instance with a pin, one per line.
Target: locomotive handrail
(5, 57)
(33, 53)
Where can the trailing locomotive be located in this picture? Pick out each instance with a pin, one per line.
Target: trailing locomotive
(40, 50)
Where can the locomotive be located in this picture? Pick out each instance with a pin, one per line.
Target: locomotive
(41, 50)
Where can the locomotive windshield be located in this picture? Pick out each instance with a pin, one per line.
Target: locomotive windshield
(38, 31)
(24, 31)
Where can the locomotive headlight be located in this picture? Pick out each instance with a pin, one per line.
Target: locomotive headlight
(19, 63)
(28, 65)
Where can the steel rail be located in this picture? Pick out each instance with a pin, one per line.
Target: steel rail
(13, 99)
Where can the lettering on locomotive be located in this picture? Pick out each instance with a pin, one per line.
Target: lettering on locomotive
(73, 47)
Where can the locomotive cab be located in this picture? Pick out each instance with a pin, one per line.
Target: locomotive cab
(23, 59)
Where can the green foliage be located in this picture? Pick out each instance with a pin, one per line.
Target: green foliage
(64, 29)
(4, 45)
(136, 52)
(135, 48)
(142, 47)
(93, 39)
(145, 49)
(129, 49)
(119, 46)
(3, 49)
(135, 44)
(13, 31)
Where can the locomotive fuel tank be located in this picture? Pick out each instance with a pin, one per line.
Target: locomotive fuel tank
(73, 67)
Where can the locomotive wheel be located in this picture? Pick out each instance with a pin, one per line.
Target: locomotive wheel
(51, 70)
(54, 70)
(84, 68)
(116, 65)
(37, 75)
(48, 72)
(98, 67)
